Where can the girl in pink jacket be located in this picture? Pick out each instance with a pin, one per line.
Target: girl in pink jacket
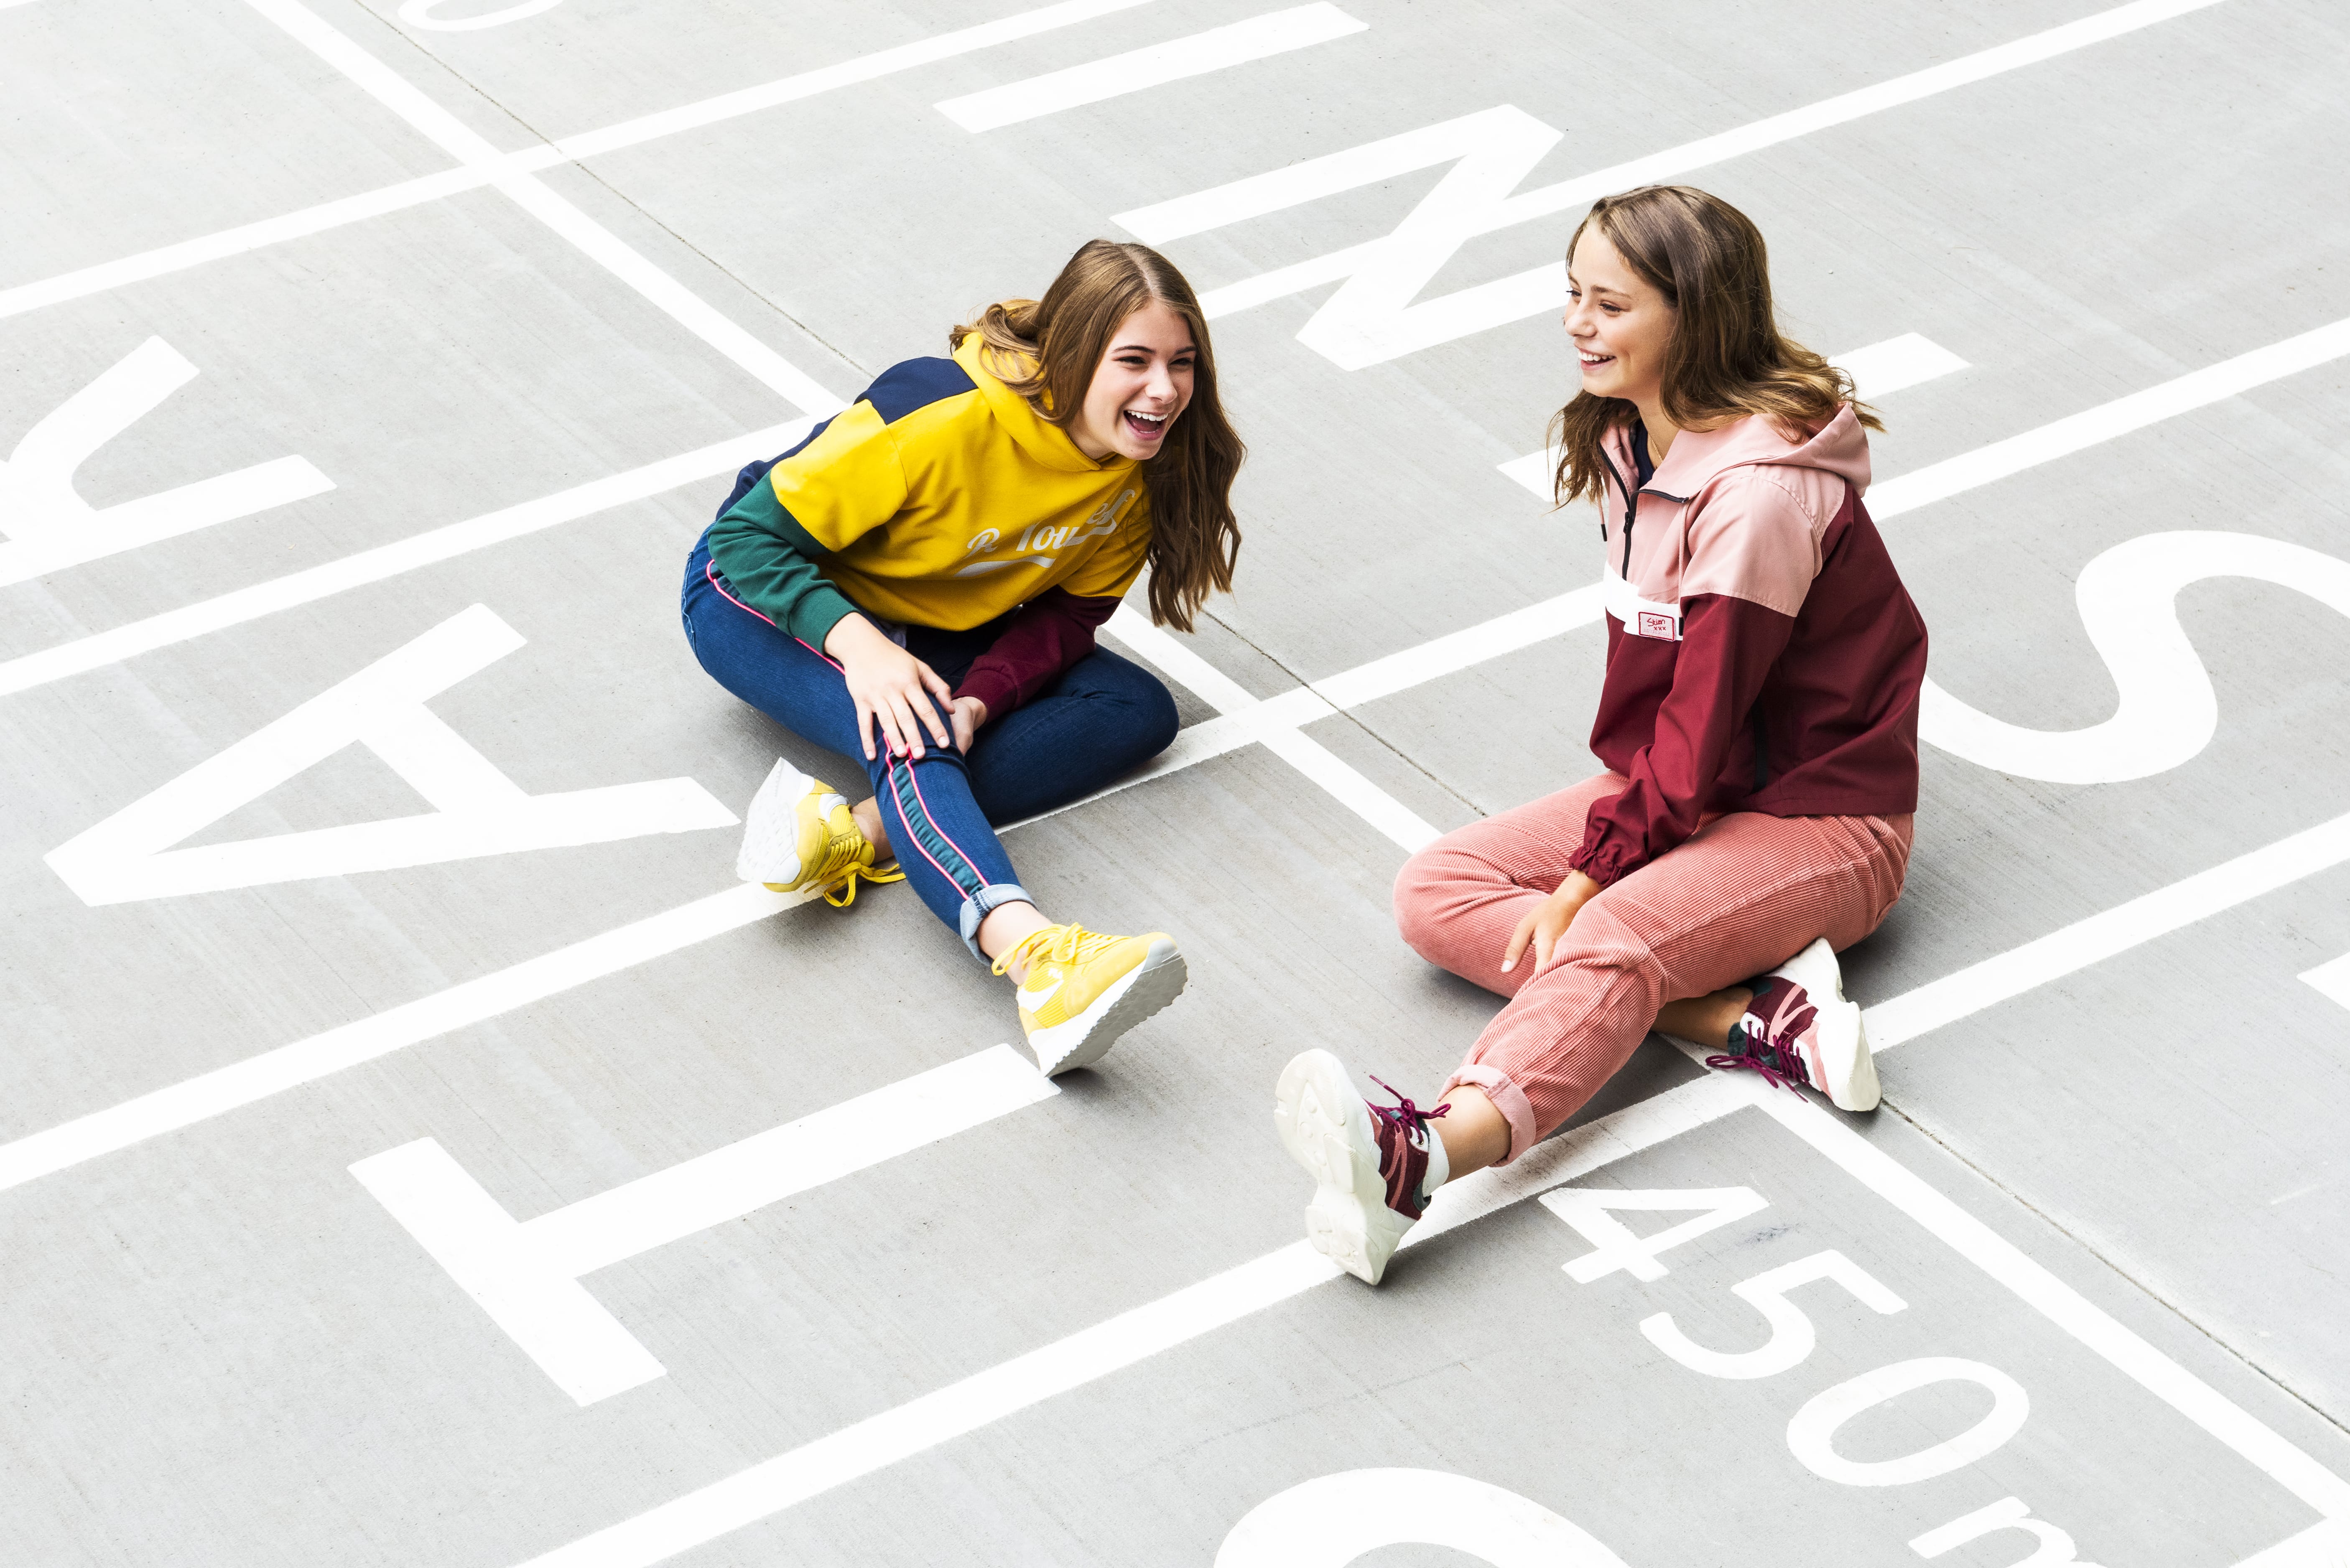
(1758, 723)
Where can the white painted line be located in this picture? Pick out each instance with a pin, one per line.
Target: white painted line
(864, 69)
(526, 1276)
(1399, 822)
(48, 524)
(2197, 388)
(419, 14)
(453, 137)
(1897, 364)
(182, 254)
(385, 561)
(2077, 433)
(432, 188)
(775, 1485)
(2332, 980)
(1137, 70)
(2128, 598)
(256, 1078)
(1245, 720)
(1461, 650)
(2060, 1302)
(1877, 370)
(2115, 930)
(476, 811)
(1537, 290)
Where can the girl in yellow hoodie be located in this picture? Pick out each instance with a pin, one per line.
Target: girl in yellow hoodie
(917, 585)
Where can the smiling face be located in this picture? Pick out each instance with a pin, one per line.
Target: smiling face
(1142, 384)
(1620, 323)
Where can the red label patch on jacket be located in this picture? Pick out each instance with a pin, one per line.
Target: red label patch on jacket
(1653, 623)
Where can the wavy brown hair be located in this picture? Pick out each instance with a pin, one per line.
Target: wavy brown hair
(1727, 357)
(1047, 350)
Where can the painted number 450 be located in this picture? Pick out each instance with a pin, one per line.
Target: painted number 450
(1810, 1433)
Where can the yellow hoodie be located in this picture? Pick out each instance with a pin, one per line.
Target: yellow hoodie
(939, 498)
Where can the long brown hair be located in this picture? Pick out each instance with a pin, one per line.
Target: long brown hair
(1726, 359)
(1047, 350)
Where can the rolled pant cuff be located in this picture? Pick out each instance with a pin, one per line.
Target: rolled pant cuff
(977, 908)
(1508, 1099)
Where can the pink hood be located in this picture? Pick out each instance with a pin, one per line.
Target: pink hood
(1740, 511)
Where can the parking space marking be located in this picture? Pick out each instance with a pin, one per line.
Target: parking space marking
(1137, 70)
(426, 188)
(527, 1276)
(49, 526)
(1374, 315)
(1878, 370)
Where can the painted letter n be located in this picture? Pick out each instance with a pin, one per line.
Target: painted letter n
(1371, 318)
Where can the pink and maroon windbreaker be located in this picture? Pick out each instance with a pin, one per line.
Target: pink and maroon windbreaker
(1761, 652)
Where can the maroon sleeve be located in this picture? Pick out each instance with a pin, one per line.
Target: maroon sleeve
(1051, 632)
(1728, 646)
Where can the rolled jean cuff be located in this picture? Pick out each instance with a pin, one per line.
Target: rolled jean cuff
(1507, 1097)
(978, 906)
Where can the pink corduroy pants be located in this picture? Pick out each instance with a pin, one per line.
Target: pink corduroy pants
(1742, 895)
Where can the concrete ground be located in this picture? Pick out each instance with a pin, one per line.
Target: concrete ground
(369, 370)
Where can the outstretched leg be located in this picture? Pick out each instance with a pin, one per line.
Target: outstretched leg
(1736, 899)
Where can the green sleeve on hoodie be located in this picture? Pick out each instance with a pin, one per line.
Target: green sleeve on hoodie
(770, 562)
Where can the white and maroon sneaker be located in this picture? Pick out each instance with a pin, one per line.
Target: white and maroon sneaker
(1799, 1030)
(1374, 1167)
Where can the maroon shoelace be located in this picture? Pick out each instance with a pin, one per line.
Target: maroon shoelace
(1403, 1110)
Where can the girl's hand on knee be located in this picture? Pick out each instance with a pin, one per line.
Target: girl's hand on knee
(891, 688)
(1547, 922)
(968, 713)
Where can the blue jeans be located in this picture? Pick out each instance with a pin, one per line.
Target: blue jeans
(1103, 719)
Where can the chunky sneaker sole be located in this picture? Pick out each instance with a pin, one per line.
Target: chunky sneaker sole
(1326, 1128)
(1839, 1061)
(772, 831)
(1085, 1039)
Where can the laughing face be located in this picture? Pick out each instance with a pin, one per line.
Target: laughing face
(1619, 321)
(1138, 390)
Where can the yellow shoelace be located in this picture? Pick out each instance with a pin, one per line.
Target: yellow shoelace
(1071, 943)
(846, 885)
(842, 870)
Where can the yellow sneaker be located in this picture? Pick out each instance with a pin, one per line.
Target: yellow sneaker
(1083, 988)
(799, 836)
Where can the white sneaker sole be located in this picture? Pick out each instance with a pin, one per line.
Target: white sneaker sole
(771, 829)
(1082, 1041)
(1327, 1128)
(1846, 1062)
